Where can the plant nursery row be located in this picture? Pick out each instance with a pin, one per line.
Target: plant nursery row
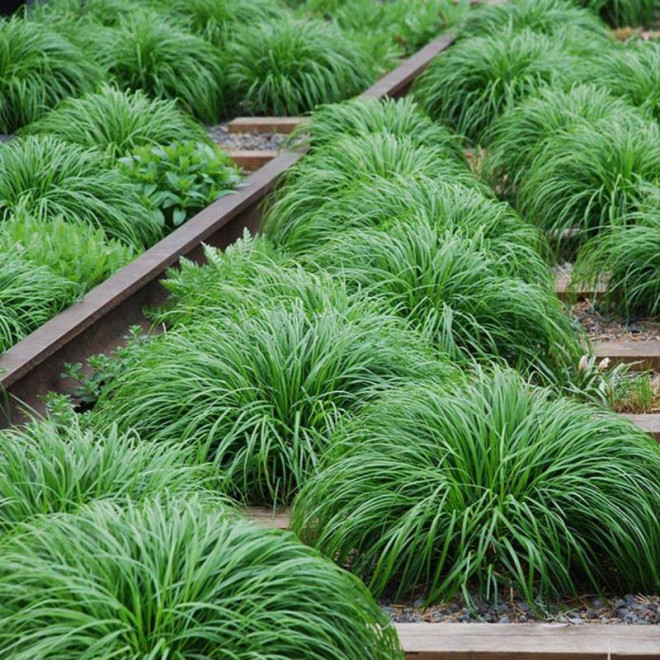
(388, 357)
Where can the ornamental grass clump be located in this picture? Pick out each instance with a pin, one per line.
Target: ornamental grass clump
(623, 12)
(118, 122)
(460, 295)
(493, 485)
(362, 116)
(544, 16)
(38, 68)
(288, 67)
(470, 84)
(30, 295)
(627, 258)
(520, 132)
(632, 72)
(72, 249)
(179, 578)
(445, 205)
(257, 391)
(47, 467)
(340, 166)
(146, 51)
(589, 177)
(47, 177)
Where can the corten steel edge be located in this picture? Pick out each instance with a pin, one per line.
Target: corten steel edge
(100, 321)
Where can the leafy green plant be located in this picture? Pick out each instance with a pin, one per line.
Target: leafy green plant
(470, 84)
(520, 132)
(459, 294)
(623, 12)
(118, 122)
(337, 168)
(381, 204)
(362, 116)
(38, 68)
(30, 295)
(627, 257)
(47, 468)
(179, 578)
(72, 249)
(150, 53)
(493, 485)
(287, 67)
(181, 179)
(216, 19)
(60, 12)
(544, 16)
(632, 72)
(256, 391)
(585, 179)
(47, 177)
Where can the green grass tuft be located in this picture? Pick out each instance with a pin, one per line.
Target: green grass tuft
(288, 67)
(179, 579)
(586, 178)
(624, 12)
(47, 177)
(460, 294)
(118, 122)
(544, 16)
(470, 84)
(257, 389)
(38, 68)
(520, 133)
(494, 485)
(48, 468)
(150, 53)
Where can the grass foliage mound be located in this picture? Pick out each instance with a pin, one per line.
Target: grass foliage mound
(459, 293)
(495, 485)
(52, 467)
(48, 177)
(287, 67)
(624, 12)
(179, 579)
(38, 68)
(589, 177)
(118, 122)
(474, 81)
(150, 53)
(256, 389)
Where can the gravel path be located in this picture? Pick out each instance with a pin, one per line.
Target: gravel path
(605, 328)
(245, 141)
(630, 609)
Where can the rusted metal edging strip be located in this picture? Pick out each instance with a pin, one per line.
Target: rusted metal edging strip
(99, 322)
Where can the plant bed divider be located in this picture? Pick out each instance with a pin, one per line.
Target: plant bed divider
(100, 321)
(252, 160)
(283, 125)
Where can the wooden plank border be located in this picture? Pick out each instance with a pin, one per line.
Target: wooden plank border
(99, 322)
(283, 125)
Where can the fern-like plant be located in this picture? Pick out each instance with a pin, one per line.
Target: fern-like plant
(179, 578)
(494, 485)
(288, 67)
(48, 177)
(38, 68)
(118, 122)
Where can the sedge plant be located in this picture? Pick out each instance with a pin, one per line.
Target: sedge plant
(586, 178)
(179, 578)
(148, 52)
(47, 177)
(461, 295)
(48, 468)
(362, 116)
(491, 486)
(623, 12)
(470, 84)
(38, 69)
(118, 122)
(256, 391)
(520, 132)
(288, 67)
